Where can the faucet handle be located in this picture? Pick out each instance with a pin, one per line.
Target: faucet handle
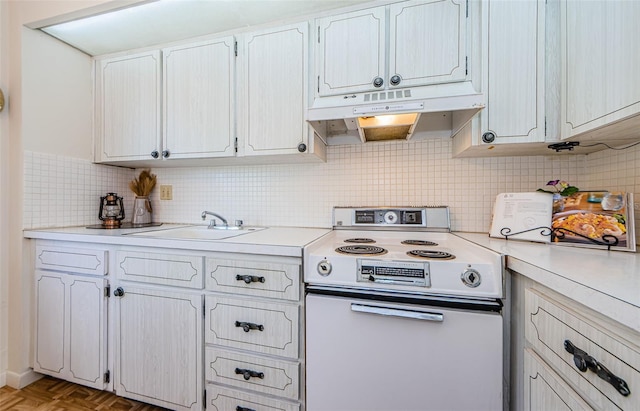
(239, 223)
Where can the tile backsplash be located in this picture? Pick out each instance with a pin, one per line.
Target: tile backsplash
(62, 191)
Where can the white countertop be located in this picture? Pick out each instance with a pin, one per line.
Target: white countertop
(280, 241)
(605, 281)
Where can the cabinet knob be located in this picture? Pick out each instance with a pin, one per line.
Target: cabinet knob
(165, 153)
(395, 80)
(302, 147)
(378, 82)
(118, 292)
(155, 154)
(488, 137)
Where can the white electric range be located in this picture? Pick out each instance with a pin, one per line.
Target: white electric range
(402, 315)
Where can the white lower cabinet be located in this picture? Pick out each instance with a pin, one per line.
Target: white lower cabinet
(166, 337)
(70, 337)
(253, 356)
(158, 352)
(225, 399)
(545, 390)
(573, 360)
(158, 327)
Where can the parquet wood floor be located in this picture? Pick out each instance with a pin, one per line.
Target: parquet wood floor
(51, 394)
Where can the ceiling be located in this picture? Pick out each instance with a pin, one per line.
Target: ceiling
(149, 23)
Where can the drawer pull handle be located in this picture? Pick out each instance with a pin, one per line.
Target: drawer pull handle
(247, 374)
(239, 408)
(250, 278)
(249, 326)
(584, 362)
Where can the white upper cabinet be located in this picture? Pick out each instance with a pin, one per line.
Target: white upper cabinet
(199, 81)
(514, 67)
(272, 102)
(128, 101)
(515, 111)
(351, 51)
(427, 44)
(600, 65)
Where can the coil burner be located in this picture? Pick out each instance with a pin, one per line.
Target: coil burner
(361, 250)
(419, 242)
(433, 254)
(360, 240)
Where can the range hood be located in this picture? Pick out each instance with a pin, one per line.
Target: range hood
(401, 114)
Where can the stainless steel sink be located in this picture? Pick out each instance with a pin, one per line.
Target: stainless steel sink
(197, 232)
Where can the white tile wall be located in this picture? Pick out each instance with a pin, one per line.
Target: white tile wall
(617, 170)
(61, 191)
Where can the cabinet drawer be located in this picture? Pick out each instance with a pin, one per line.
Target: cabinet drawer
(163, 269)
(545, 390)
(263, 279)
(549, 324)
(251, 372)
(271, 328)
(75, 260)
(224, 399)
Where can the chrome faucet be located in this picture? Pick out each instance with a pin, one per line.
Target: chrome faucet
(212, 223)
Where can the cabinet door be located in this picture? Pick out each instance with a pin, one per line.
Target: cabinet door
(199, 82)
(272, 107)
(515, 111)
(351, 52)
(427, 42)
(545, 390)
(128, 102)
(71, 323)
(600, 64)
(51, 317)
(156, 363)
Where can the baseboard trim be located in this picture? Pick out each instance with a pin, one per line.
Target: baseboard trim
(21, 380)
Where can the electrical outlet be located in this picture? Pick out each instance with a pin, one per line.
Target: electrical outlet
(166, 192)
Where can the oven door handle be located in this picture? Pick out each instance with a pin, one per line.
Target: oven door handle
(395, 312)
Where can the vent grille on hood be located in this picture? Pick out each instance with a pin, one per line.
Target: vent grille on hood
(392, 115)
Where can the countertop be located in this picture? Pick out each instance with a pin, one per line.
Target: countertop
(605, 281)
(280, 241)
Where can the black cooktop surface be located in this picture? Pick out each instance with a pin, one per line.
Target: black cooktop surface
(124, 225)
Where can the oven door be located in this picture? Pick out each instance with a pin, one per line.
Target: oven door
(371, 355)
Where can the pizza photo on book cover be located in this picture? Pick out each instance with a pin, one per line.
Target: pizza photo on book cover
(598, 219)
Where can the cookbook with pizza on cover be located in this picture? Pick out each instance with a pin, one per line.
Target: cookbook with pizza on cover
(594, 219)
(598, 219)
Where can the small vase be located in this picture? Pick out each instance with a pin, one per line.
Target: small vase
(141, 211)
(558, 203)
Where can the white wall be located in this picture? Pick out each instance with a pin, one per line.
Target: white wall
(4, 207)
(57, 97)
(15, 274)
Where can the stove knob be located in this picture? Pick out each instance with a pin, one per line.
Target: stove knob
(390, 217)
(324, 268)
(471, 278)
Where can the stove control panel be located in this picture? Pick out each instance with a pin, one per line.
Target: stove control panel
(394, 272)
(415, 217)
